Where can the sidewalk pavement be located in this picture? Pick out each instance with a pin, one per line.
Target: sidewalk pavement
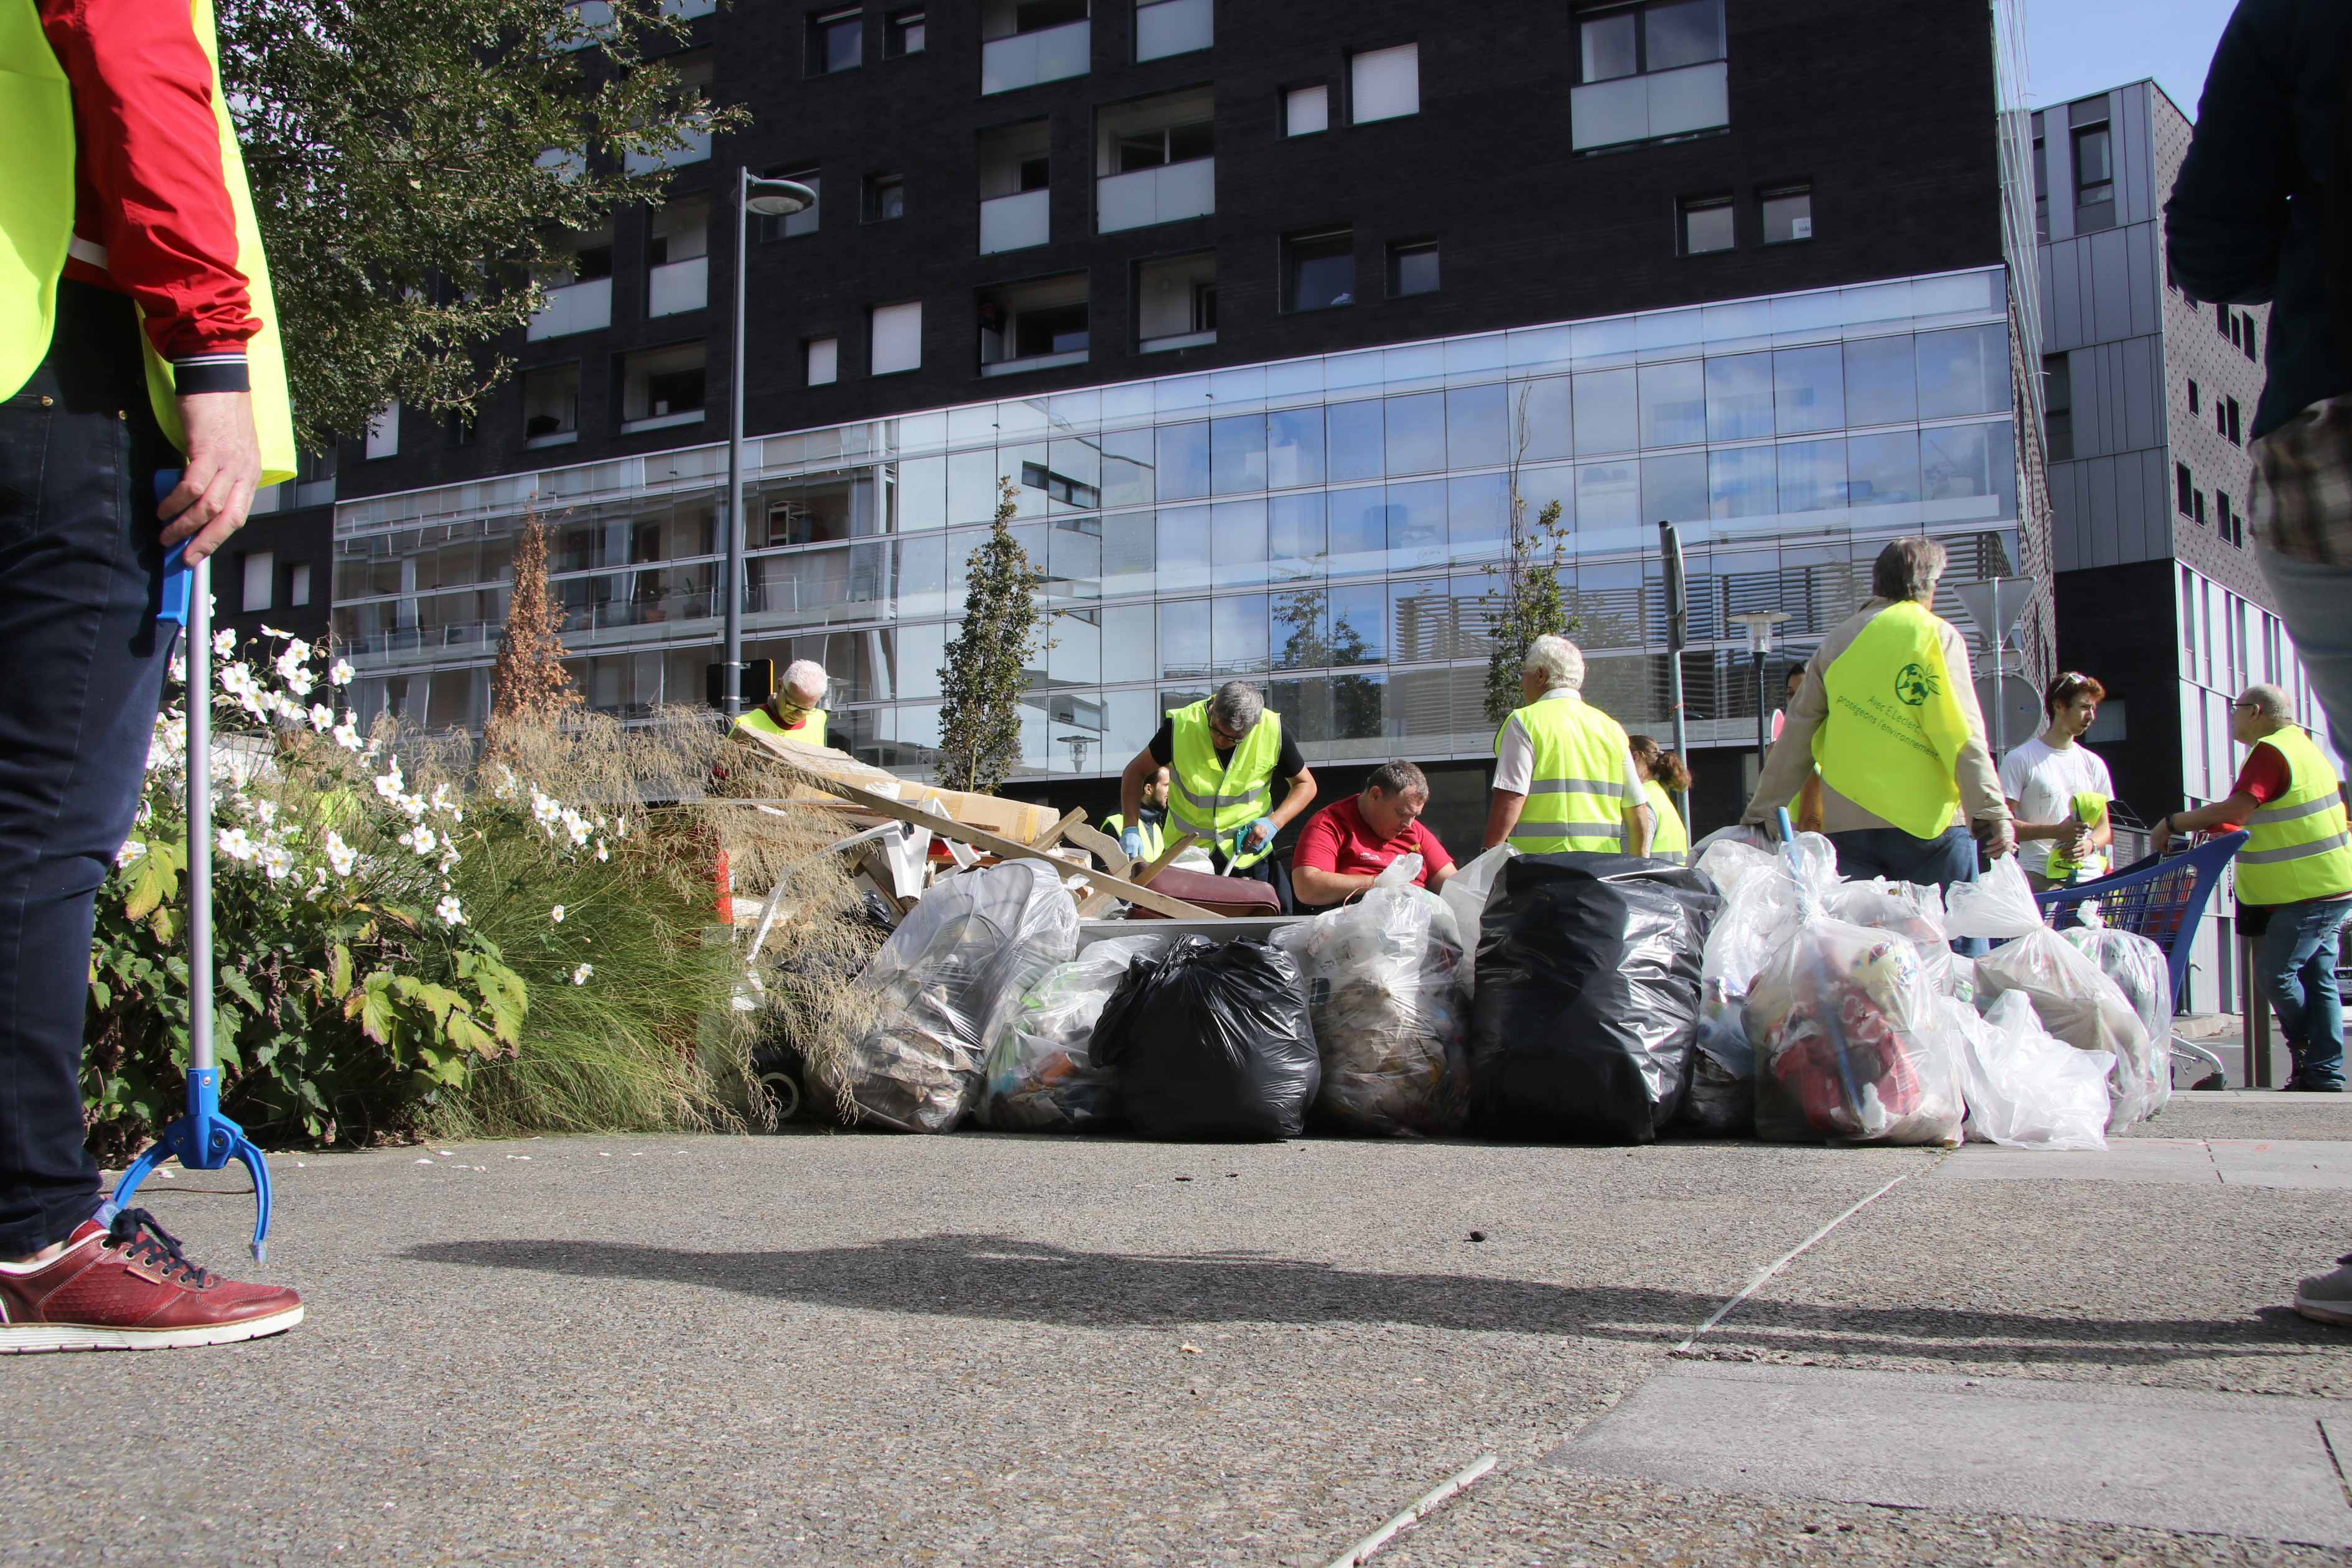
(982, 1349)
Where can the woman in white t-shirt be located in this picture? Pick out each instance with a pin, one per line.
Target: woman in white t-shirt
(2043, 777)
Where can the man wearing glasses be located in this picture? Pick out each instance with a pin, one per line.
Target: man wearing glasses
(793, 712)
(2294, 877)
(1223, 754)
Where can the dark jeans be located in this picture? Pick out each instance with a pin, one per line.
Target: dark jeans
(1891, 853)
(2295, 968)
(81, 672)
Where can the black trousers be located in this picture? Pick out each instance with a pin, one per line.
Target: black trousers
(81, 673)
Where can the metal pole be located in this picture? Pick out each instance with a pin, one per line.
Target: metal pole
(731, 683)
(200, 816)
(1763, 716)
(1670, 547)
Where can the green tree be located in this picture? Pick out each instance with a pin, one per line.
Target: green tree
(1532, 604)
(984, 676)
(418, 168)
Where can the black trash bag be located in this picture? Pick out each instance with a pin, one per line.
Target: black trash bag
(1587, 997)
(1211, 1040)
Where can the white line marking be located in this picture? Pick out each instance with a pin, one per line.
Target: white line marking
(1792, 1255)
(1422, 1508)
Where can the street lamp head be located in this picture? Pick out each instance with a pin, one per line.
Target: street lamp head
(1760, 624)
(776, 198)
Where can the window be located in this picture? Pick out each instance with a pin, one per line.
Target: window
(824, 361)
(903, 33)
(2041, 182)
(694, 73)
(1706, 224)
(1384, 84)
(1176, 302)
(886, 197)
(897, 338)
(298, 585)
(1788, 214)
(1060, 487)
(1164, 27)
(800, 223)
(2058, 408)
(2192, 397)
(2184, 489)
(2230, 527)
(1155, 161)
(1320, 270)
(1025, 42)
(456, 430)
(1015, 172)
(2095, 171)
(661, 387)
(1647, 71)
(2246, 337)
(260, 577)
(384, 433)
(1306, 110)
(678, 231)
(2228, 413)
(551, 405)
(1034, 325)
(591, 255)
(835, 39)
(2199, 497)
(1412, 268)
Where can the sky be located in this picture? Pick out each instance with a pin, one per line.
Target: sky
(2079, 47)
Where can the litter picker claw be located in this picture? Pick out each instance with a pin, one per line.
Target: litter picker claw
(203, 1139)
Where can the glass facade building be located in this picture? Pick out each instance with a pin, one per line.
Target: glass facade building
(1326, 526)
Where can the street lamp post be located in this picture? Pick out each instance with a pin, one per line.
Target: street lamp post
(1760, 624)
(769, 199)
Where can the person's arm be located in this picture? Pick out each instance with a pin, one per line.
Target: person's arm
(2264, 777)
(2226, 222)
(1790, 762)
(1301, 796)
(1637, 830)
(1130, 790)
(1514, 766)
(1314, 876)
(2025, 829)
(1502, 815)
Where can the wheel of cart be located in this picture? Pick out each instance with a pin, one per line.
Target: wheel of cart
(2163, 899)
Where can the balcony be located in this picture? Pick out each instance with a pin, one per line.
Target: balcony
(574, 308)
(1644, 108)
(1015, 222)
(1164, 27)
(679, 287)
(1024, 59)
(1164, 194)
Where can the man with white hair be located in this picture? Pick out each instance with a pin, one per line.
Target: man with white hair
(2295, 876)
(1223, 754)
(1564, 774)
(791, 710)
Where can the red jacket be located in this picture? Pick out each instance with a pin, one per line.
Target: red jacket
(151, 212)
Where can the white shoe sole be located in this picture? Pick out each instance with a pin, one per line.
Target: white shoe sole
(32, 1339)
(2338, 1312)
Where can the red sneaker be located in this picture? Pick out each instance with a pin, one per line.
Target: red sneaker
(128, 1289)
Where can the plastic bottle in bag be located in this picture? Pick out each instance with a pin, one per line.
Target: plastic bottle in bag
(1390, 1017)
(1846, 1048)
(1042, 1075)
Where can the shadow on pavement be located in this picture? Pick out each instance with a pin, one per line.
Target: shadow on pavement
(1027, 1281)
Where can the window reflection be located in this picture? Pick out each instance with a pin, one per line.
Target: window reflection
(1964, 371)
(1882, 469)
(1608, 495)
(1477, 427)
(1358, 531)
(1184, 639)
(1477, 513)
(1239, 548)
(1673, 405)
(1952, 462)
(1742, 482)
(1354, 441)
(1808, 389)
(1416, 525)
(1293, 441)
(1127, 467)
(1541, 409)
(1237, 454)
(1182, 451)
(1605, 412)
(1812, 475)
(1360, 624)
(1185, 543)
(1881, 387)
(1129, 553)
(1301, 629)
(1416, 433)
(1238, 634)
(1739, 397)
(1674, 489)
(1295, 536)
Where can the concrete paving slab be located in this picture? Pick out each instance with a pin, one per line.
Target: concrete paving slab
(2162, 1459)
(2201, 1162)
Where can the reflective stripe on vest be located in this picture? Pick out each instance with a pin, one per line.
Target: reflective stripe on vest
(1217, 800)
(1894, 725)
(1669, 841)
(1576, 791)
(2298, 846)
(37, 214)
(810, 733)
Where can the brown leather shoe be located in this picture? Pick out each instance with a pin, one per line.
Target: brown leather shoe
(128, 1289)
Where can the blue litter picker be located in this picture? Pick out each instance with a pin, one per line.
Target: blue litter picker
(203, 1139)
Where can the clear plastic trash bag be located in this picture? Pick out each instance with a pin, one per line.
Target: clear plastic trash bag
(1042, 1076)
(2079, 1004)
(1906, 908)
(1721, 1097)
(1762, 908)
(962, 959)
(1388, 1014)
(2026, 1088)
(1997, 906)
(2136, 966)
(1846, 1042)
(1465, 894)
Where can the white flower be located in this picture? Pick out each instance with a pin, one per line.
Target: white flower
(265, 809)
(545, 810)
(413, 805)
(322, 717)
(575, 824)
(420, 839)
(602, 853)
(233, 843)
(224, 642)
(179, 667)
(347, 734)
(277, 861)
(236, 680)
(447, 910)
(390, 784)
(269, 631)
(340, 672)
(580, 975)
(131, 849)
(443, 800)
(297, 681)
(555, 914)
(339, 855)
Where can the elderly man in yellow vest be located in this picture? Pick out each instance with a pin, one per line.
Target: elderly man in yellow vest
(1888, 713)
(791, 710)
(1223, 754)
(2295, 876)
(1564, 773)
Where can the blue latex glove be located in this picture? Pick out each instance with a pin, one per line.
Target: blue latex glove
(1257, 836)
(1131, 843)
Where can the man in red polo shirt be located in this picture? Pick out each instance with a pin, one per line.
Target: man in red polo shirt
(1349, 842)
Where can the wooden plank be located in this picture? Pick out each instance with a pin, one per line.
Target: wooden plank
(1053, 834)
(1143, 877)
(996, 843)
(1101, 846)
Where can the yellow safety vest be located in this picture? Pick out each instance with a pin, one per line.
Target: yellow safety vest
(36, 215)
(2090, 809)
(1154, 841)
(1669, 841)
(1217, 800)
(2299, 847)
(1576, 795)
(810, 733)
(1895, 724)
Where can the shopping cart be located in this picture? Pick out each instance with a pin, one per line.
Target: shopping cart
(2161, 898)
